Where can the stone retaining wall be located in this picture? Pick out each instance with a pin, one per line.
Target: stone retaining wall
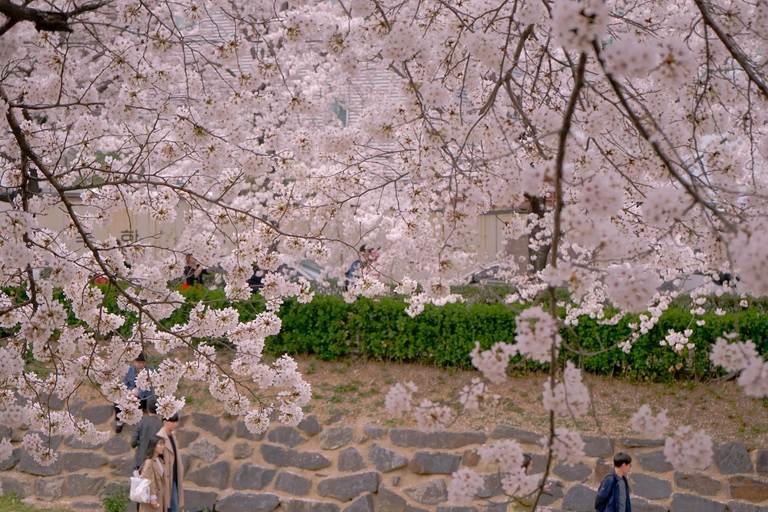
(365, 468)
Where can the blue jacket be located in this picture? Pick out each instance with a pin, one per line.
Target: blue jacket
(607, 499)
(130, 381)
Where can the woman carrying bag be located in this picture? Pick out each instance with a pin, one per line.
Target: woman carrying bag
(152, 469)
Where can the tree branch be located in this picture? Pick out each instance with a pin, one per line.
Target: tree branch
(45, 21)
(732, 48)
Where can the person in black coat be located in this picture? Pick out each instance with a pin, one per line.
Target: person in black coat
(613, 493)
(149, 425)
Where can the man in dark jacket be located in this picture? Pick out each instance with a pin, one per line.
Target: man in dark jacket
(149, 425)
(613, 494)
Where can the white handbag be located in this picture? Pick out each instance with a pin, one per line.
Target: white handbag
(139, 488)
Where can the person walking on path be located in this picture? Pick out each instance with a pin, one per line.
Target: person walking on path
(525, 503)
(130, 382)
(149, 425)
(173, 466)
(153, 469)
(613, 493)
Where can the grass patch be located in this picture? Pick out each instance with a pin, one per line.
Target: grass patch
(12, 503)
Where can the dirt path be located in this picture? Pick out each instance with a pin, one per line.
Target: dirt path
(349, 391)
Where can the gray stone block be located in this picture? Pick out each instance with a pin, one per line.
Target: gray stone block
(75, 461)
(641, 505)
(748, 489)
(212, 475)
(48, 442)
(740, 506)
(5, 431)
(595, 446)
(242, 502)
(437, 440)
(336, 437)
(185, 437)
(538, 463)
(205, 450)
(345, 488)
(434, 463)
(350, 460)
(200, 500)
(21, 488)
(449, 508)
(310, 426)
(555, 493)
(374, 431)
(518, 434)
(580, 498)
(293, 505)
(390, 501)
(74, 442)
(48, 489)
(497, 507)
(385, 460)
(98, 414)
(242, 451)
(287, 436)
(243, 432)
(491, 485)
(212, 425)
(122, 466)
(276, 455)
(690, 503)
(252, 477)
(761, 462)
(293, 484)
(733, 457)
(602, 468)
(284, 457)
(363, 503)
(639, 442)
(577, 473)
(83, 485)
(698, 483)
(654, 462)
(117, 445)
(650, 487)
(28, 465)
(12, 460)
(431, 492)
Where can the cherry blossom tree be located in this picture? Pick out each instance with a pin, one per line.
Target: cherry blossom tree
(635, 132)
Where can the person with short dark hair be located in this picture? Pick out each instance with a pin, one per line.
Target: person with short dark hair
(153, 469)
(357, 267)
(173, 466)
(149, 425)
(613, 493)
(525, 503)
(130, 382)
(193, 272)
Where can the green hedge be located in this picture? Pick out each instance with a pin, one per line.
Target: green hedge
(331, 329)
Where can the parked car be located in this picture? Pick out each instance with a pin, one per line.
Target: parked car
(304, 268)
(488, 274)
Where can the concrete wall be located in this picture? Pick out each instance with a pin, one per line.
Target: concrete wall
(363, 467)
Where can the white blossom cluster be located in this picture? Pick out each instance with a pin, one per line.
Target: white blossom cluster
(570, 396)
(567, 446)
(689, 450)
(536, 335)
(742, 356)
(650, 426)
(678, 341)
